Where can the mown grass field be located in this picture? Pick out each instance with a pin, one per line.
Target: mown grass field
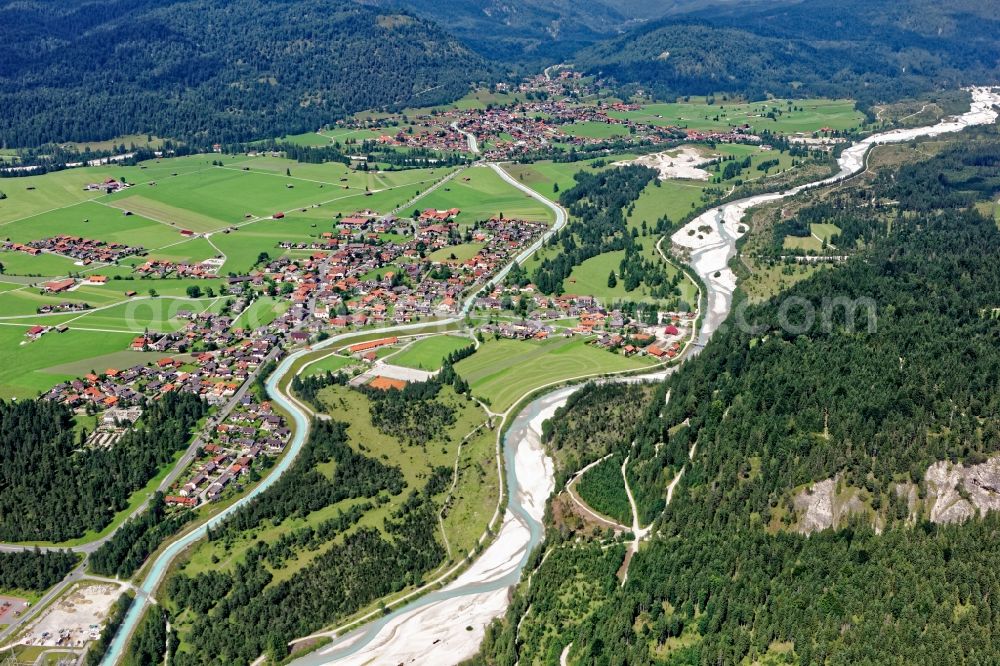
(23, 370)
(32, 195)
(330, 363)
(591, 279)
(19, 263)
(219, 197)
(156, 314)
(93, 220)
(481, 194)
(261, 312)
(594, 130)
(825, 231)
(429, 353)
(815, 114)
(503, 371)
(415, 462)
(456, 252)
(805, 243)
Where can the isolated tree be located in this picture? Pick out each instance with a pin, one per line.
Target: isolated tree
(194, 291)
(612, 280)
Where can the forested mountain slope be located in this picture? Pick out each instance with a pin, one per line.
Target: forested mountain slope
(539, 32)
(724, 579)
(865, 50)
(533, 31)
(211, 69)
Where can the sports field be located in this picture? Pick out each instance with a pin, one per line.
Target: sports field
(789, 116)
(502, 371)
(330, 363)
(429, 353)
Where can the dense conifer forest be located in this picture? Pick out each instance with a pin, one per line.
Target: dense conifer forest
(34, 570)
(212, 70)
(867, 51)
(128, 548)
(55, 490)
(796, 400)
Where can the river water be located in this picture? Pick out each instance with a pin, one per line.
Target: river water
(446, 626)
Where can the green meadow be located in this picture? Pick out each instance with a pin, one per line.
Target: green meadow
(221, 196)
(456, 252)
(23, 368)
(544, 177)
(699, 115)
(429, 353)
(503, 371)
(594, 130)
(261, 312)
(481, 194)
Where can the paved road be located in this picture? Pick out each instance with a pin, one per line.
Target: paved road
(79, 572)
(430, 189)
(469, 137)
(75, 575)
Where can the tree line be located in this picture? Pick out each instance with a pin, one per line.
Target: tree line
(794, 401)
(55, 490)
(137, 538)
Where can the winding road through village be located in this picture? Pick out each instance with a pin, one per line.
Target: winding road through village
(481, 592)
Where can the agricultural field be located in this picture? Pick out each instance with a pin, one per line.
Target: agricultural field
(93, 219)
(217, 198)
(41, 265)
(503, 371)
(135, 316)
(26, 367)
(545, 176)
(594, 130)
(429, 353)
(481, 194)
(788, 118)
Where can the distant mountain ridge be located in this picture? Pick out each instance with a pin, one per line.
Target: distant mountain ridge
(214, 70)
(841, 48)
(536, 31)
